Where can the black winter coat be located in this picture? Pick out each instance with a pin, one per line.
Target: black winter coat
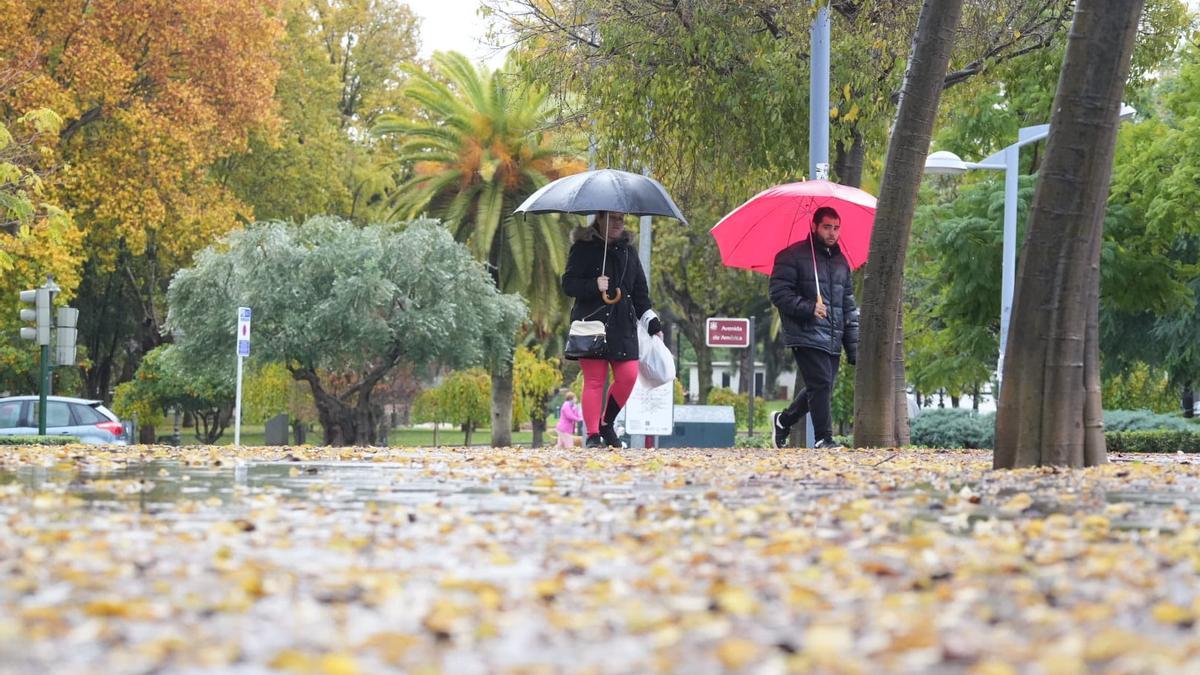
(624, 271)
(793, 290)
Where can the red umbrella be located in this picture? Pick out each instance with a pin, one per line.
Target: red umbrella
(778, 217)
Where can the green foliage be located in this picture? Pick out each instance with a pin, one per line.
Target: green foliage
(339, 303)
(22, 169)
(535, 379)
(1139, 388)
(1144, 420)
(265, 393)
(842, 408)
(428, 407)
(1125, 430)
(1153, 441)
(38, 440)
(465, 399)
(1154, 248)
(166, 380)
(741, 405)
(952, 280)
(329, 295)
(953, 429)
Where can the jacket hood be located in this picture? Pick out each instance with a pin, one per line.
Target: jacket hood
(589, 233)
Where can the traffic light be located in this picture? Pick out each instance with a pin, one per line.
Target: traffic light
(68, 318)
(39, 315)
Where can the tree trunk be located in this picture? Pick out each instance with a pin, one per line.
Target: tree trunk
(877, 410)
(538, 423)
(848, 161)
(1050, 410)
(703, 371)
(975, 397)
(339, 421)
(954, 400)
(502, 398)
(899, 386)
(539, 430)
(1188, 401)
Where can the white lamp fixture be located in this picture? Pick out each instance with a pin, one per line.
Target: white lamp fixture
(945, 163)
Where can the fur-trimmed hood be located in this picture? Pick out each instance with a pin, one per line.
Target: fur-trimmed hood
(590, 233)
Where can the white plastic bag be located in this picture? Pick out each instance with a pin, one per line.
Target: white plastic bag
(655, 363)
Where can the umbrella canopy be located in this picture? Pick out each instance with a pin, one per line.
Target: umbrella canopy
(603, 190)
(751, 235)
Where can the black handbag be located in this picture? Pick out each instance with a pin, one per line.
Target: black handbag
(585, 340)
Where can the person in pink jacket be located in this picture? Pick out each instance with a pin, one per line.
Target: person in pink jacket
(568, 417)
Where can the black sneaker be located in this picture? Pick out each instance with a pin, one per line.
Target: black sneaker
(610, 436)
(779, 437)
(829, 444)
(594, 441)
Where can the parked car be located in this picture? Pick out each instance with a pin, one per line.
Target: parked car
(87, 420)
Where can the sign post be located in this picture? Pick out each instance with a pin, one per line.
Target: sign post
(243, 350)
(735, 334)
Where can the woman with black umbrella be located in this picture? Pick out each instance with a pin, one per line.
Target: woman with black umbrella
(604, 275)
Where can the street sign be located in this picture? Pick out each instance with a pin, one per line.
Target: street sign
(726, 332)
(243, 350)
(243, 331)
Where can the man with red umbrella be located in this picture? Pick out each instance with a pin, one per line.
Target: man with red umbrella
(808, 236)
(813, 290)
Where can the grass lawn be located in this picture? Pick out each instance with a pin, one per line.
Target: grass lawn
(255, 434)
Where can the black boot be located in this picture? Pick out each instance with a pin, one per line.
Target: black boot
(607, 432)
(594, 441)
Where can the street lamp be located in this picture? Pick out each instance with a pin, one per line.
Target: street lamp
(944, 163)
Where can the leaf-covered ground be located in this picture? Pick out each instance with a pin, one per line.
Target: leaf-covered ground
(305, 560)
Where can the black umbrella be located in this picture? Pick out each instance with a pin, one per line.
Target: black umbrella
(603, 190)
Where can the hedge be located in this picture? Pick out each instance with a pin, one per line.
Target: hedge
(1144, 420)
(952, 428)
(38, 440)
(1152, 441)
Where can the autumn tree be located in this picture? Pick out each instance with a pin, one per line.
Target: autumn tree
(1050, 408)
(37, 237)
(341, 66)
(151, 94)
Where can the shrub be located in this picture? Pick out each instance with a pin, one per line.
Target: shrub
(38, 440)
(1139, 387)
(740, 405)
(953, 429)
(1152, 441)
(1144, 420)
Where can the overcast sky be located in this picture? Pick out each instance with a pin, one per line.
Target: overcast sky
(453, 25)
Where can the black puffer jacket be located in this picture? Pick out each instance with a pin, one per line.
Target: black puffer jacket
(794, 291)
(624, 271)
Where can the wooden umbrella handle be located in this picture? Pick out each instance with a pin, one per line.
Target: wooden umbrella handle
(614, 300)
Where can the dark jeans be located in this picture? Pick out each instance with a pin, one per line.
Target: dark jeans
(819, 369)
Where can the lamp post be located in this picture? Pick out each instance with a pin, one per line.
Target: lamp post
(946, 163)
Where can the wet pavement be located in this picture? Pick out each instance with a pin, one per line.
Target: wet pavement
(310, 560)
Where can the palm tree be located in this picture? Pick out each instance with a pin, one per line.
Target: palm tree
(479, 146)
